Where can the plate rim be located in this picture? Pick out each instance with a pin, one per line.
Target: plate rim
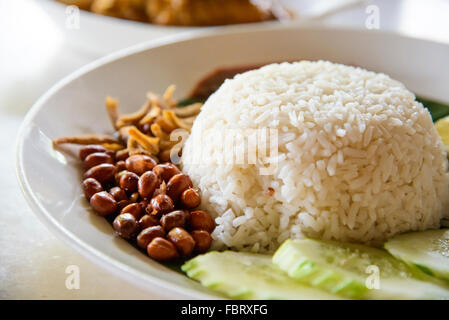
(115, 267)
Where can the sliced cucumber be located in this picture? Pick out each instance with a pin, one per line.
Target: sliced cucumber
(354, 271)
(241, 275)
(426, 250)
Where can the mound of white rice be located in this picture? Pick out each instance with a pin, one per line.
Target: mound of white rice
(358, 159)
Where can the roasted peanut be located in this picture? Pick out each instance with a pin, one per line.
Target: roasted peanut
(148, 221)
(148, 182)
(103, 173)
(182, 240)
(149, 208)
(201, 220)
(161, 190)
(146, 128)
(135, 209)
(174, 219)
(190, 198)
(144, 203)
(103, 203)
(164, 155)
(118, 193)
(120, 165)
(134, 197)
(93, 148)
(118, 175)
(148, 234)
(202, 239)
(126, 225)
(129, 181)
(139, 163)
(162, 250)
(161, 204)
(166, 170)
(97, 158)
(177, 185)
(121, 155)
(90, 187)
(121, 204)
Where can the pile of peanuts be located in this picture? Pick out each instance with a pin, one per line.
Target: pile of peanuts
(153, 204)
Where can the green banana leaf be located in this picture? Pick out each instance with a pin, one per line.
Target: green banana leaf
(437, 109)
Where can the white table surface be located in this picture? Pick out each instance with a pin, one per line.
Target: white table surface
(36, 50)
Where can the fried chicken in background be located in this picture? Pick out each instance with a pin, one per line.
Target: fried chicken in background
(186, 12)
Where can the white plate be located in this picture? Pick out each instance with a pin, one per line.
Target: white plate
(51, 180)
(115, 34)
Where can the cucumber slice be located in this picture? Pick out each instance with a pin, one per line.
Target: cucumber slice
(241, 275)
(350, 269)
(425, 250)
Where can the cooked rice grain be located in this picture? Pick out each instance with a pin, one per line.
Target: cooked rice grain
(359, 158)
